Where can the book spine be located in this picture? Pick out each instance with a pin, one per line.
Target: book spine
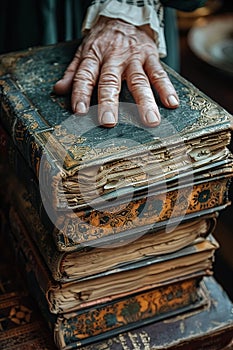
(209, 328)
(26, 214)
(72, 228)
(141, 215)
(20, 173)
(23, 121)
(24, 246)
(127, 313)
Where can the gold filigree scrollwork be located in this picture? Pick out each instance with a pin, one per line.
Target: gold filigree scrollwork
(210, 113)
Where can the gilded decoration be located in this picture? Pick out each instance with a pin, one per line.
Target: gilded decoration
(133, 310)
(93, 224)
(210, 113)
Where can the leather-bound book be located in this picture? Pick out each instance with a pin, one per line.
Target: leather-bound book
(116, 300)
(97, 182)
(85, 261)
(208, 329)
(23, 326)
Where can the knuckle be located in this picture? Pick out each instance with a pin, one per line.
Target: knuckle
(159, 75)
(84, 74)
(109, 78)
(138, 79)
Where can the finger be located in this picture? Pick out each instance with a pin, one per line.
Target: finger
(64, 85)
(161, 82)
(83, 84)
(108, 93)
(140, 88)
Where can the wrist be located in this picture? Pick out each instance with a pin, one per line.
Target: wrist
(148, 30)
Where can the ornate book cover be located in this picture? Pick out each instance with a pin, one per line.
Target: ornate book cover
(35, 117)
(91, 321)
(87, 261)
(23, 328)
(103, 180)
(74, 230)
(209, 329)
(110, 285)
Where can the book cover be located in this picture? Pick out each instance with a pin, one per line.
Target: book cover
(83, 167)
(105, 317)
(114, 283)
(72, 230)
(86, 261)
(209, 329)
(27, 79)
(22, 325)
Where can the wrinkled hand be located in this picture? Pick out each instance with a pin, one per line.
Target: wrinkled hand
(112, 51)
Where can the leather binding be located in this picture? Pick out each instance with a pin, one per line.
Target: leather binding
(211, 328)
(131, 278)
(76, 319)
(123, 170)
(73, 229)
(85, 261)
(206, 328)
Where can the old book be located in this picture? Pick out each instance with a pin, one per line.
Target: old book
(89, 176)
(209, 329)
(80, 327)
(72, 231)
(87, 261)
(87, 320)
(122, 281)
(28, 105)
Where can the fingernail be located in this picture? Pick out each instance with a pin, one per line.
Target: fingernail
(108, 118)
(152, 117)
(172, 100)
(81, 108)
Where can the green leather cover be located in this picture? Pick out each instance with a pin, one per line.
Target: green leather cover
(141, 175)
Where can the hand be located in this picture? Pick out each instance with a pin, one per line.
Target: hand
(112, 51)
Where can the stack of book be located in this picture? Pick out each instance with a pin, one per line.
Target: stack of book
(112, 228)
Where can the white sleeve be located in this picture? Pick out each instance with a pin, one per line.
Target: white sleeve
(136, 12)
